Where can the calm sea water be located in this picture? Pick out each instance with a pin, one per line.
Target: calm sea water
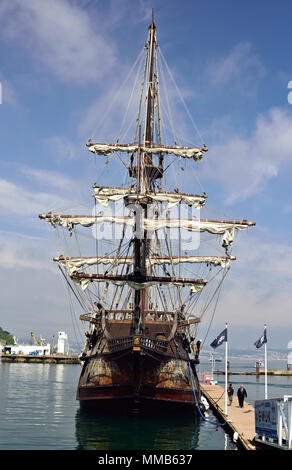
(38, 411)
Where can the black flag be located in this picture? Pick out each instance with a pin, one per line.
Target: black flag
(262, 340)
(220, 339)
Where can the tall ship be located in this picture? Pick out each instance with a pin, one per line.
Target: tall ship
(145, 283)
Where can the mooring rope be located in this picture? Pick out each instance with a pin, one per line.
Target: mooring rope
(197, 404)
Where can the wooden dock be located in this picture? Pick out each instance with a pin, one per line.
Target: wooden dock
(238, 420)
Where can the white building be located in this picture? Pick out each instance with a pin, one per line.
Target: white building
(63, 346)
(27, 349)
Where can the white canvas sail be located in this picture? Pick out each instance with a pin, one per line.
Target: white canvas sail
(85, 279)
(73, 264)
(225, 228)
(183, 152)
(104, 195)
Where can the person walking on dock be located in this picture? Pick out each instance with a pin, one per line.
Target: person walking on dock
(241, 393)
(230, 392)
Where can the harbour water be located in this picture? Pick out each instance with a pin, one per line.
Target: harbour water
(38, 411)
(277, 385)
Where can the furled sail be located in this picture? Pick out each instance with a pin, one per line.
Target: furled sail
(216, 227)
(222, 261)
(184, 152)
(145, 282)
(68, 221)
(72, 264)
(104, 195)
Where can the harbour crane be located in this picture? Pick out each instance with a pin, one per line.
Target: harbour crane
(41, 341)
(34, 338)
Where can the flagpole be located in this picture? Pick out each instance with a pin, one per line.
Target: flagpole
(266, 374)
(217, 342)
(226, 372)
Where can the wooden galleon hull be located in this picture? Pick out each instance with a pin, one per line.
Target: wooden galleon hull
(135, 376)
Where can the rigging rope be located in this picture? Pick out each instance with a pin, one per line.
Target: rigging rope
(63, 252)
(118, 92)
(168, 109)
(79, 301)
(129, 102)
(181, 97)
(215, 307)
(72, 312)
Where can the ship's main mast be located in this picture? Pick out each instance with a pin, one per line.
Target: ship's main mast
(149, 122)
(144, 184)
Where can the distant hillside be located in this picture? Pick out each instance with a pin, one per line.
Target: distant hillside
(6, 337)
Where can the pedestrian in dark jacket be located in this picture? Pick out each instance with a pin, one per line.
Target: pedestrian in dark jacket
(230, 392)
(241, 393)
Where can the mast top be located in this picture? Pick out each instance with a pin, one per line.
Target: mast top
(152, 24)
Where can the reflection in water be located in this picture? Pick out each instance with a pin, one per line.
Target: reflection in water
(39, 411)
(58, 380)
(136, 429)
(37, 406)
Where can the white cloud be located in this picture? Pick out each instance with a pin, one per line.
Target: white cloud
(272, 260)
(61, 35)
(19, 200)
(20, 252)
(62, 148)
(48, 178)
(258, 287)
(244, 165)
(33, 292)
(241, 68)
(33, 300)
(7, 92)
(58, 191)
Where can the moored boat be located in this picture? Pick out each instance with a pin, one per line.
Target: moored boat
(142, 312)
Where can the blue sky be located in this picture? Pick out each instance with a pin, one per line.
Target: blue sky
(61, 62)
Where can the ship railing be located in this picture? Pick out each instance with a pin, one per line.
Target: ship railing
(119, 316)
(145, 342)
(149, 316)
(118, 344)
(158, 345)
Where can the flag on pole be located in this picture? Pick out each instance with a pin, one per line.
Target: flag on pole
(220, 339)
(262, 340)
(258, 344)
